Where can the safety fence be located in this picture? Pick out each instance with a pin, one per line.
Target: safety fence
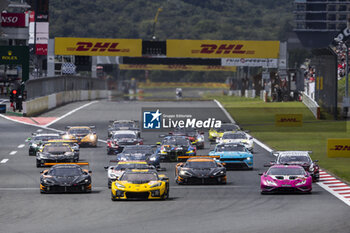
(312, 105)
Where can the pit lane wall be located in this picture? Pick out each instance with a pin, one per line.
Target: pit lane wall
(42, 104)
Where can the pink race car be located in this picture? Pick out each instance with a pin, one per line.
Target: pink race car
(286, 178)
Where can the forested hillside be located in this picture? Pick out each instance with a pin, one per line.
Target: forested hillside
(180, 19)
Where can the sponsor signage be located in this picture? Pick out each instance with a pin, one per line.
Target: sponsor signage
(254, 62)
(98, 47)
(177, 67)
(13, 19)
(342, 36)
(289, 120)
(41, 49)
(222, 49)
(338, 147)
(158, 120)
(16, 55)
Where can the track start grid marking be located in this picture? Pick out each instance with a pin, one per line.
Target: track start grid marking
(4, 161)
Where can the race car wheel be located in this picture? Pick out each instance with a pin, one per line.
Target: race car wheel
(113, 198)
(38, 164)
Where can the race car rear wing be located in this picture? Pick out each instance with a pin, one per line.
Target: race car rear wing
(80, 164)
(198, 156)
(276, 153)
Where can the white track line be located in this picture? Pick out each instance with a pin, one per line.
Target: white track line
(71, 112)
(21, 146)
(4, 161)
(334, 188)
(13, 152)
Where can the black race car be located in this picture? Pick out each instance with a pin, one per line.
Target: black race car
(123, 125)
(194, 135)
(56, 152)
(146, 153)
(65, 178)
(301, 158)
(201, 170)
(38, 139)
(174, 146)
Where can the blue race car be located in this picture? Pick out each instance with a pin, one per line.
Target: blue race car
(148, 153)
(173, 147)
(233, 155)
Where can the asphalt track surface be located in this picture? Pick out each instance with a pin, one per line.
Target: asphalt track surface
(235, 207)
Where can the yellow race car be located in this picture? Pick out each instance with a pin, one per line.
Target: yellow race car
(84, 135)
(140, 184)
(219, 132)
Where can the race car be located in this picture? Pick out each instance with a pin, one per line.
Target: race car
(192, 134)
(83, 134)
(120, 139)
(285, 178)
(174, 146)
(72, 143)
(237, 137)
(201, 170)
(140, 184)
(65, 178)
(146, 153)
(123, 125)
(218, 132)
(233, 155)
(37, 140)
(55, 152)
(301, 158)
(114, 172)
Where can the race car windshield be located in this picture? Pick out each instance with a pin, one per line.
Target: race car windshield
(185, 131)
(137, 151)
(239, 148)
(285, 171)
(123, 167)
(200, 164)
(234, 136)
(79, 131)
(123, 125)
(46, 138)
(56, 149)
(139, 178)
(134, 156)
(294, 159)
(224, 128)
(119, 136)
(65, 171)
(176, 141)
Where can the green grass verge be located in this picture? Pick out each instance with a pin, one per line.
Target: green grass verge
(259, 118)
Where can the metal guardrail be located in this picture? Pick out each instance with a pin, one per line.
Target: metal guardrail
(312, 105)
(51, 85)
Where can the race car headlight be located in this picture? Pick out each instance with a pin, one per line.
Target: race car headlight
(119, 185)
(156, 185)
(184, 173)
(46, 181)
(190, 151)
(34, 145)
(200, 138)
(301, 183)
(43, 156)
(92, 137)
(311, 168)
(153, 159)
(219, 173)
(249, 158)
(66, 136)
(270, 182)
(123, 159)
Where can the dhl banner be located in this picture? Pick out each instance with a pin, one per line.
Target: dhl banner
(222, 48)
(177, 67)
(289, 120)
(98, 47)
(338, 147)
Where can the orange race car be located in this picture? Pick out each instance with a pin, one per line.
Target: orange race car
(84, 135)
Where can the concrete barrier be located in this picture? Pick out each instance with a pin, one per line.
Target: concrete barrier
(42, 104)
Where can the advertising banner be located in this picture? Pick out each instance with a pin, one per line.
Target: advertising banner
(222, 49)
(177, 67)
(98, 47)
(289, 120)
(13, 19)
(338, 147)
(253, 62)
(41, 49)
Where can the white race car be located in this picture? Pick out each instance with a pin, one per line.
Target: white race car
(237, 137)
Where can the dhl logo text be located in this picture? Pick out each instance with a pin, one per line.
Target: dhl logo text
(289, 120)
(97, 47)
(222, 49)
(341, 147)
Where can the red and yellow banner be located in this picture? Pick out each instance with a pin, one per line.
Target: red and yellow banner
(222, 49)
(338, 147)
(98, 47)
(177, 67)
